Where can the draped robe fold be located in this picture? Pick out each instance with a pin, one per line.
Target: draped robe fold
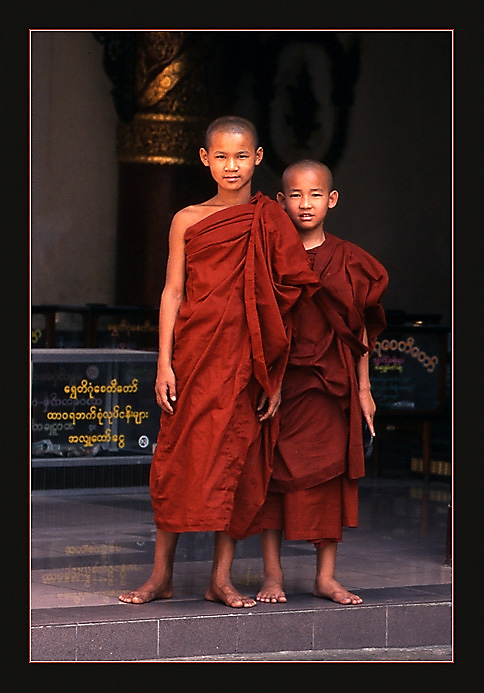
(247, 276)
(320, 437)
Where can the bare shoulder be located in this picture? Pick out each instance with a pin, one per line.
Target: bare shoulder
(186, 215)
(191, 215)
(181, 221)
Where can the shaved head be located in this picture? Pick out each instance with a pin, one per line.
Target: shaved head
(231, 124)
(308, 165)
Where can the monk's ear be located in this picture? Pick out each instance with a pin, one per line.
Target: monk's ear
(204, 156)
(333, 198)
(281, 198)
(259, 153)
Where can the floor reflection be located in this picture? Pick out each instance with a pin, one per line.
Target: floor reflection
(86, 547)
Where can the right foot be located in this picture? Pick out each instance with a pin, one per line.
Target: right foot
(146, 593)
(271, 591)
(334, 591)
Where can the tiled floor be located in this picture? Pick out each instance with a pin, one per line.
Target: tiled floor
(89, 546)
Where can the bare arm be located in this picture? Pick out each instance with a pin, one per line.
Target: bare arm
(171, 298)
(367, 403)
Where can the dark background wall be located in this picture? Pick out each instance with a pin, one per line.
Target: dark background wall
(381, 116)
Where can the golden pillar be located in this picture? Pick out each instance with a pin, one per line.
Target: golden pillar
(164, 108)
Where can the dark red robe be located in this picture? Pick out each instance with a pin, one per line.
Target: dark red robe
(247, 274)
(320, 437)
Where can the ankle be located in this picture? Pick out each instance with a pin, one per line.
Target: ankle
(273, 573)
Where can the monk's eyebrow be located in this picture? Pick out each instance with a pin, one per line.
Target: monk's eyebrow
(242, 151)
(321, 190)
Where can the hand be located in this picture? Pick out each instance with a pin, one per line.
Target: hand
(268, 407)
(368, 408)
(165, 389)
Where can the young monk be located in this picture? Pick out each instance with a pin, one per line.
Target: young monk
(236, 273)
(319, 456)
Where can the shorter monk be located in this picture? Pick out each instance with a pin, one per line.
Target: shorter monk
(313, 492)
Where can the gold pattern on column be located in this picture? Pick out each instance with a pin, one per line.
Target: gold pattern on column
(158, 139)
(171, 101)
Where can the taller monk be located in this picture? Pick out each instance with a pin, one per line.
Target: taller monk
(237, 274)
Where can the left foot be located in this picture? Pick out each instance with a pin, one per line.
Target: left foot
(271, 591)
(335, 592)
(228, 595)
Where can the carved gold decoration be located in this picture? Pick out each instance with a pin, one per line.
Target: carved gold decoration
(159, 139)
(171, 100)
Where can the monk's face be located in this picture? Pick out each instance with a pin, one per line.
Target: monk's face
(307, 198)
(232, 158)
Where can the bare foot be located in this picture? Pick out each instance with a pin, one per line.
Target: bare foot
(228, 595)
(147, 593)
(334, 591)
(271, 591)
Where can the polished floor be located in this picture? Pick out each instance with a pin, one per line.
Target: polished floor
(87, 546)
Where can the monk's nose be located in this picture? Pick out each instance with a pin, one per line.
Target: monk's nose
(231, 165)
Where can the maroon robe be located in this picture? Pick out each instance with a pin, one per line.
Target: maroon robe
(321, 423)
(247, 275)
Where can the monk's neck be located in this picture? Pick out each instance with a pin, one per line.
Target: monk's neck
(226, 198)
(313, 239)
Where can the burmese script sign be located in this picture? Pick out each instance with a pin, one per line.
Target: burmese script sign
(93, 403)
(407, 369)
